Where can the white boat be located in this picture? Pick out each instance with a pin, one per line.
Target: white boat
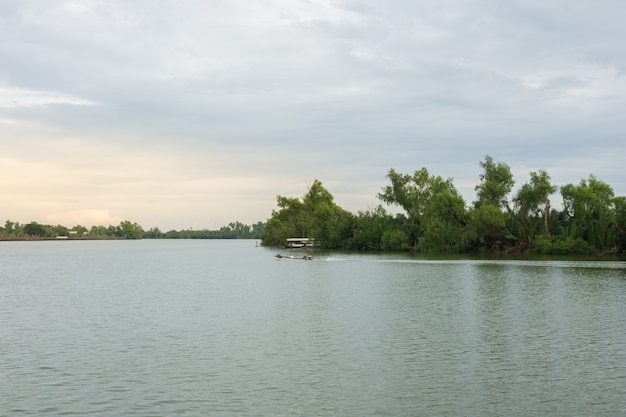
(300, 242)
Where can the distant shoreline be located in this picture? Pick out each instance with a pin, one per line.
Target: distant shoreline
(38, 239)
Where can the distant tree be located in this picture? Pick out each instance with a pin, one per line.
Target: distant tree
(130, 230)
(153, 233)
(80, 230)
(98, 232)
(9, 227)
(257, 230)
(59, 230)
(35, 229)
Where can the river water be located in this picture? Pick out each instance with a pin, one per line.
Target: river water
(223, 328)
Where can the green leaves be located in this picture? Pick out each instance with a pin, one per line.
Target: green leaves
(436, 219)
(316, 216)
(434, 208)
(496, 183)
(589, 212)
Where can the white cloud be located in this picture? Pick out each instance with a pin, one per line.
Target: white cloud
(20, 97)
(204, 106)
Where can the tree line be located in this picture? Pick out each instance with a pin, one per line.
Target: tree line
(435, 218)
(125, 230)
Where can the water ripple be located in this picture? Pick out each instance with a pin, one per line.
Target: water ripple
(187, 328)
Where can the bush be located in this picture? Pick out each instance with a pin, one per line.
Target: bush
(392, 240)
(543, 245)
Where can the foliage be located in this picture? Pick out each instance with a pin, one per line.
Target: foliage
(486, 227)
(394, 240)
(619, 224)
(234, 230)
(434, 209)
(588, 213)
(130, 230)
(496, 183)
(125, 230)
(316, 216)
(441, 237)
(35, 229)
(532, 206)
(545, 245)
(378, 230)
(434, 218)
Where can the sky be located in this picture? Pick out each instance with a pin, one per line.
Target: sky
(197, 113)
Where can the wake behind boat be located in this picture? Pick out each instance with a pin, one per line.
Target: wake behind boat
(305, 257)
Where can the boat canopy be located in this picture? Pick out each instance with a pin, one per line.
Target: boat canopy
(300, 242)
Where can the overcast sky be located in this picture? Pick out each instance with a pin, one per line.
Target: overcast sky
(196, 113)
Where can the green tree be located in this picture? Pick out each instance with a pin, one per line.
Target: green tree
(394, 240)
(9, 228)
(80, 230)
(486, 227)
(620, 223)
(325, 220)
(588, 212)
(287, 221)
(35, 229)
(59, 230)
(434, 208)
(378, 230)
(316, 216)
(532, 205)
(98, 232)
(130, 230)
(257, 230)
(496, 182)
(153, 233)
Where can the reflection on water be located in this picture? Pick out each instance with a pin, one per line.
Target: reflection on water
(223, 328)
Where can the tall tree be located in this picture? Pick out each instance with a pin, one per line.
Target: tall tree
(378, 230)
(620, 222)
(435, 209)
(588, 211)
(496, 182)
(532, 202)
(486, 227)
(130, 230)
(35, 229)
(316, 216)
(326, 221)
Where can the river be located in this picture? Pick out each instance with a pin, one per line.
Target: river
(223, 328)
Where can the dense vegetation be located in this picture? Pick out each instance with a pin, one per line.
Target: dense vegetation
(125, 230)
(433, 218)
(436, 219)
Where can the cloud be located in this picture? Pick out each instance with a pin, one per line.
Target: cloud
(82, 217)
(20, 97)
(196, 110)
